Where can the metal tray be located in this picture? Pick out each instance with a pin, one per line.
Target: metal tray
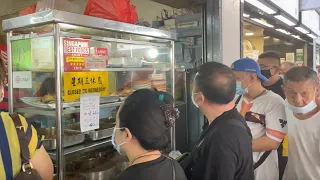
(70, 138)
(105, 131)
(35, 102)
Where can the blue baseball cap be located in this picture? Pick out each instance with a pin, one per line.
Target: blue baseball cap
(249, 65)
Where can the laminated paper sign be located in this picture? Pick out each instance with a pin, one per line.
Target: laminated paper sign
(77, 83)
(89, 112)
(74, 52)
(95, 62)
(22, 79)
(21, 55)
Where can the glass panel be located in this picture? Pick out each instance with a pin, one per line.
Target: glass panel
(33, 76)
(113, 70)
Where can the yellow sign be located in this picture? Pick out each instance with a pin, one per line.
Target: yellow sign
(77, 83)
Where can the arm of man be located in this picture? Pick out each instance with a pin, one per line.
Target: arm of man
(222, 158)
(276, 128)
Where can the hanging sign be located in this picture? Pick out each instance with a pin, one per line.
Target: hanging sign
(74, 51)
(89, 112)
(77, 83)
(299, 55)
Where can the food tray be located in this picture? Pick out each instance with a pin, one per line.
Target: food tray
(105, 130)
(35, 102)
(70, 138)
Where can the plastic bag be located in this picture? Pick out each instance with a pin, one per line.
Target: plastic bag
(28, 10)
(117, 10)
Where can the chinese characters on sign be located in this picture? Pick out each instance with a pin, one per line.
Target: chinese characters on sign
(77, 83)
(89, 112)
(74, 52)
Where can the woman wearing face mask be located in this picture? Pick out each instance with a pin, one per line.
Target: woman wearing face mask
(142, 125)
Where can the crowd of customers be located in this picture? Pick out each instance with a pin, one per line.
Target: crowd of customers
(262, 124)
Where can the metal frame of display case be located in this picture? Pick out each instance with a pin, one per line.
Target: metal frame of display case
(57, 18)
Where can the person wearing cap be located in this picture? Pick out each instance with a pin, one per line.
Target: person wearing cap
(264, 113)
(141, 132)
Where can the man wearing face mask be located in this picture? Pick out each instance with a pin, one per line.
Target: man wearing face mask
(265, 115)
(301, 87)
(270, 68)
(224, 149)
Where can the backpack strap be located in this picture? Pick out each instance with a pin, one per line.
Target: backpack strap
(5, 151)
(23, 140)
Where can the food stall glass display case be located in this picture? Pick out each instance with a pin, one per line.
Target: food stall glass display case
(68, 75)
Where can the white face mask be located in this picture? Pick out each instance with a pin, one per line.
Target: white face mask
(302, 110)
(193, 101)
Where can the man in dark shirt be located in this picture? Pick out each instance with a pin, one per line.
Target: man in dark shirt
(270, 67)
(225, 146)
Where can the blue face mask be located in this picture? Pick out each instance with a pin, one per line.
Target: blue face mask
(239, 89)
(302, 110)
(115, 146)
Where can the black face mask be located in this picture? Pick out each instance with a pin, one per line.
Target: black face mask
(266, 73)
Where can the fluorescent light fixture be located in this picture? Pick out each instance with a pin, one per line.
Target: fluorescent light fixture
(301, 29)
(283, 31)
(266, 37)
(249, 34)
(296, 36)
(261, 6)
(246, 15)
(153, 53)
(285, 20)
(262, 22)
(312, 36)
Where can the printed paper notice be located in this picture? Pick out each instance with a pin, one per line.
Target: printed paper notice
(22, 79)
(89, 112)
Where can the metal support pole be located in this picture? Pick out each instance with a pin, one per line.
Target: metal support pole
(173, 129)
(58, 51)
(10, 73)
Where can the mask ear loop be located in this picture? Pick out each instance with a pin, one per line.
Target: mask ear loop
(114, 131)
(247, 88)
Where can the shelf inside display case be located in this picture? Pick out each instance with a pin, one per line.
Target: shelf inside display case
(83, 148)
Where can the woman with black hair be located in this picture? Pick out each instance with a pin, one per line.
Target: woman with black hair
(141, 130)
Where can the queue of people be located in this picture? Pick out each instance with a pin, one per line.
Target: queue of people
(257, 120)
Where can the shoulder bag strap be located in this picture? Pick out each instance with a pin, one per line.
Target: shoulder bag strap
(23, 140)
(5, 151)
(262, 159)
(238, 99)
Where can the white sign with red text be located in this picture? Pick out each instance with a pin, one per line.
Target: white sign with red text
(22, 79)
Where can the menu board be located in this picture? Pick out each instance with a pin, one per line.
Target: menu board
(21, 55)
(89, 112)
(77, 83)
(74, 51)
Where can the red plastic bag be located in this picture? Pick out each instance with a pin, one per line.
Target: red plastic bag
(28, 10)
(117, 10)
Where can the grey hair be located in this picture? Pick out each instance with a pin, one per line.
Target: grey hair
(290, 64)
(300, 74)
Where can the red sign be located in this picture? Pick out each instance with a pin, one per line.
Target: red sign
(74, 51)
(102, 52)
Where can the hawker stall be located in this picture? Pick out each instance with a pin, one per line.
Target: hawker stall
(68, 75)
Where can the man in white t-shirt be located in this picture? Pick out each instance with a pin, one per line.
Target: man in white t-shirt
(301, 87)
(265, 115)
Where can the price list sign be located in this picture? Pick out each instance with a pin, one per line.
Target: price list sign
(89, 112)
